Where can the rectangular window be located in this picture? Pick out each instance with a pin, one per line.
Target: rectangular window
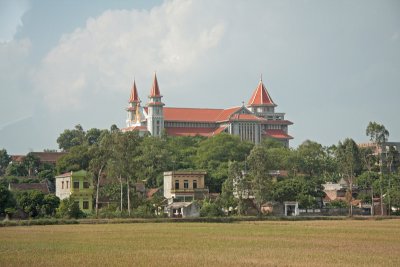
(62, 185)
(176, 184)
(67, 184)
(76, 185)
(186, 184)
(85, 184)
(85, 205)
(194, 184)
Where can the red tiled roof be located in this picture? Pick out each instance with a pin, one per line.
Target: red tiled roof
(17, 158)
(279, 134)
(191, 114)
(44, 157)
(66, 174)
(30, 186)
(155, 90)
(220, 130)
(198, 114)
(226, 113)
(134, 98)
(190, 131)
(151, 192)
(261, 96)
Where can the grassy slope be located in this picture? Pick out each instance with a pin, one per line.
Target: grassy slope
(300, 243)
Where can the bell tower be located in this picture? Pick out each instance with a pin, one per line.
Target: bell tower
(133, 109)
(155, 113)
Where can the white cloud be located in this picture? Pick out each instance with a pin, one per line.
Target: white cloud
(110, 49)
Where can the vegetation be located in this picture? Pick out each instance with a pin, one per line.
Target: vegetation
(271, 243)
(269, 172)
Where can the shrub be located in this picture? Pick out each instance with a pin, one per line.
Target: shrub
(210, 209)
(70, 209)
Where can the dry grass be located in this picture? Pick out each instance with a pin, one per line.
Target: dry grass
(278, 243)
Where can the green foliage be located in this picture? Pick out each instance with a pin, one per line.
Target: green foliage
(377, 133)
(260, 165)
(71, 138)
(16, 169)
(4, 161)
(77, 159)
(210, 209)
(70, 209)
(31, 163)
(6, 199)
(214, 154)
(50, 204)
(30, 202)
(305, 191)
(36, 204)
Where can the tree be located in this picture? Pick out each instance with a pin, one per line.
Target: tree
(77, 159)
(241, 184)
(349, 163)
(31, 163)
(71, 138)
(378, 135)
(214, 154)
(6, 199)
(5, 159)
(366, 180)
(260, 166)
(100, 155)
(70, 209)
(50, 204)
(16, 169)
(30, 202)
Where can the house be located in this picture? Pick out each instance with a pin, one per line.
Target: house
(79, 186)
(251, 122)
(181, 189)
(42, 187)
(44, 157)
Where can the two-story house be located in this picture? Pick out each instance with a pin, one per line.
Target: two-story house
(181, 188)
(79, 186)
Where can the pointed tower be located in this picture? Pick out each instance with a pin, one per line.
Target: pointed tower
(155, 114)
(261, 102)
(133, 109)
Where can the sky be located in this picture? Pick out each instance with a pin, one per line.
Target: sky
(331, 66)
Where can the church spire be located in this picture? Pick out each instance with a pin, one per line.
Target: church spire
(134, 97)
(261, 96)
(155, 90)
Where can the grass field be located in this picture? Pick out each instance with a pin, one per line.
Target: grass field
(267, 243)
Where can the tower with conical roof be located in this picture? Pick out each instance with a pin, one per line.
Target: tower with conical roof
(261, 102)
(133, 109)
(155, 113)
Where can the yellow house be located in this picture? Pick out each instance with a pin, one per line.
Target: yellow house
(181, 188)
(79, 186)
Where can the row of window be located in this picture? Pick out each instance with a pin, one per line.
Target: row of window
(85, 204)
(75, 185)
(190, 124)
(186, 184)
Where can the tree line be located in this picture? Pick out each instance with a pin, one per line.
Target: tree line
(235, 169)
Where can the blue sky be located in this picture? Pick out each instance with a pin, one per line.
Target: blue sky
(331, 66)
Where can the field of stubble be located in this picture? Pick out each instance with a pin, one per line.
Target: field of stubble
(267, 243)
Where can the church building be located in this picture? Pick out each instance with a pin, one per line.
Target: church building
(252, 122)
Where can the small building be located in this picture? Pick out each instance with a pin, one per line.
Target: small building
(181, 188)
(79, 186)
(42, 187)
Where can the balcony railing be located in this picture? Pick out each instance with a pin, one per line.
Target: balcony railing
(190, 190)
